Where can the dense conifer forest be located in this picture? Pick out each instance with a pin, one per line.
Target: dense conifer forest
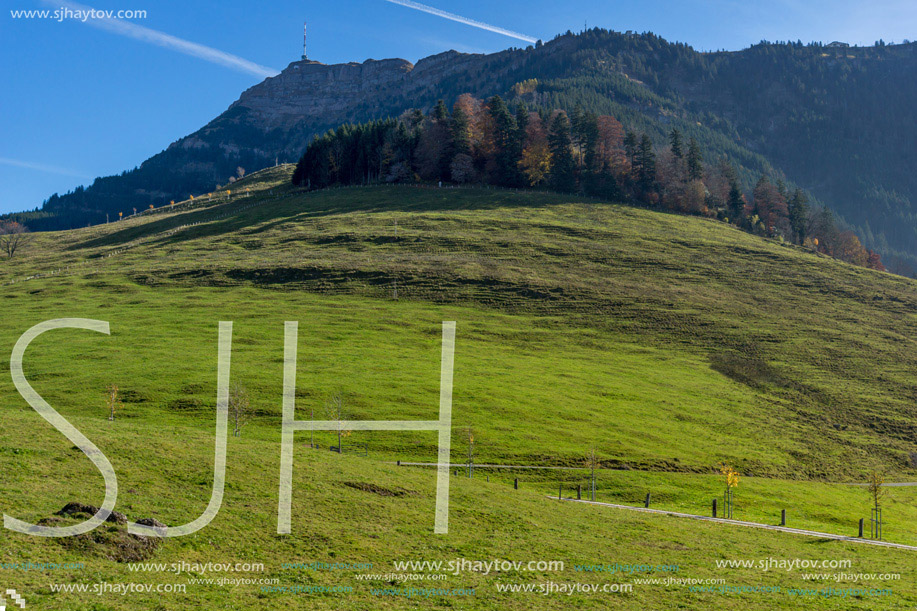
(490, 143)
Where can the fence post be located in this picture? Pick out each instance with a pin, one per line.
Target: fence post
(783, 517)
(647, 502)
(399, 463)
(516, 484)
(714, 508)
(560, 492)
(579, 492)
(861, 528)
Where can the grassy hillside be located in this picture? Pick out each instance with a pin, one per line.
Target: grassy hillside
(669, 344)
(794, 364)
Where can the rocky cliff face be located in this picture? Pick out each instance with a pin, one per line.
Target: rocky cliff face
(312, 92)
(308, 89)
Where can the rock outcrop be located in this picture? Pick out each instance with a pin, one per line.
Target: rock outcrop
(309, 91)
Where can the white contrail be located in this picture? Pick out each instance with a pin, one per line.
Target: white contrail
(465, 20)
(161, 39)
(29, 165)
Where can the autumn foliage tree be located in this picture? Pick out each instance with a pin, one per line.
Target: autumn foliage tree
(770, 207)
(536, 154)
(851, 250)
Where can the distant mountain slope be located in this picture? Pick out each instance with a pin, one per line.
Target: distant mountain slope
(838, 121)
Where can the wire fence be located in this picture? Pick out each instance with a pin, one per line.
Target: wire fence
(220, 198)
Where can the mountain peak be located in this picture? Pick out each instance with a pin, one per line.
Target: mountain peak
(307, 89)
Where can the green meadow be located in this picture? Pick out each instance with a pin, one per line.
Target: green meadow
(670, 345)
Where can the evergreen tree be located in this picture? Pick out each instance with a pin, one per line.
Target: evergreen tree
(646, 160)
(522, 123)
(735, 204)
(544, 114)
(577, 126)
(403, 142)
(439, 111)
(675, 143)
(728, 171)
(507, 143)
(522, 118)
(589, 142)
(630, 149)
(695, 161)
(563, 176)
(606, 186)
(415, 119)
(799, 215)
(461, 132)
(781, 188)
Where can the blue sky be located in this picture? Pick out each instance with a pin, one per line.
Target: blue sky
(80, 101)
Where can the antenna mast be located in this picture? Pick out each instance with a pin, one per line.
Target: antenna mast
(304, 40)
